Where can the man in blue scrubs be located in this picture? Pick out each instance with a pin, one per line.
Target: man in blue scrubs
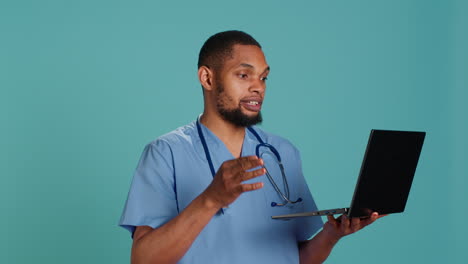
(200, 193)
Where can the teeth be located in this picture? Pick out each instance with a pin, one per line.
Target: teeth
(253, 103)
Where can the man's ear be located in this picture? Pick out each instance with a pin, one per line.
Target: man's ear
(205, 76)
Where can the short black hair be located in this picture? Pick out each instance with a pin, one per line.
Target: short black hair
(219, 46)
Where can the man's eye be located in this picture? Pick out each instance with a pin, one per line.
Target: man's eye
(243, 76)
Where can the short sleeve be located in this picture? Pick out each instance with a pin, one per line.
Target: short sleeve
(152, 199)
(307, 226)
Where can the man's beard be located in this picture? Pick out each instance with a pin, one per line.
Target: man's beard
(235, 116)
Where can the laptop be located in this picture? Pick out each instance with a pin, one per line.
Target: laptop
(385, 178)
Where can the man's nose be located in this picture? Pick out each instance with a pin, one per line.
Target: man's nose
(258, 86)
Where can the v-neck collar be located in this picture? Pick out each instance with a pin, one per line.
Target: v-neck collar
(215, 144)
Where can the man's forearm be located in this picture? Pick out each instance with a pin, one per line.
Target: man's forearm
(317, 249)
(170, 242)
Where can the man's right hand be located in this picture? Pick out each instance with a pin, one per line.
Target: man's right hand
(227, 185)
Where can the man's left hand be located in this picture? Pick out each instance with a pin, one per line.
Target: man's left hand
(343, 226)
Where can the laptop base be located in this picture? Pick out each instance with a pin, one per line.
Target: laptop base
(316, 213)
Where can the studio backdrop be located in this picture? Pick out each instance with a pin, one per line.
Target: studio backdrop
(85, 85)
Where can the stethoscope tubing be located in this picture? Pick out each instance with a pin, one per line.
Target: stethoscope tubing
(284, 195)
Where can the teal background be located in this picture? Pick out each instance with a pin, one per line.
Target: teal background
(86, 84)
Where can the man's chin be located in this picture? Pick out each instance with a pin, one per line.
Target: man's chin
(251, 114)
(240, 118)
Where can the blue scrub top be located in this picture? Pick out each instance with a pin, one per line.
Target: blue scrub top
(173, 170)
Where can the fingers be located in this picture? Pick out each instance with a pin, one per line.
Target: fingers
(374, 216)
(252, 174)
(380, 216)
(227, 184)
(358, 223)
(355, 224)
(239, 168)
(252, 186)
(333, 221)
(245, 163)
(343, 226)
(347, 226)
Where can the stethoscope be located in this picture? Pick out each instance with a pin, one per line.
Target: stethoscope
(284, 195)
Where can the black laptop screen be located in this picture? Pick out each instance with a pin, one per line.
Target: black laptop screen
(387, 172)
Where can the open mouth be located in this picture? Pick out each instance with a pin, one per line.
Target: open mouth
(252, 105)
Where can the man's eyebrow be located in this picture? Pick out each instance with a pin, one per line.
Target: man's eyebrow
(246, 65)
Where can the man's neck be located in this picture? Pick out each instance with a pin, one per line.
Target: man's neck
(231, 135)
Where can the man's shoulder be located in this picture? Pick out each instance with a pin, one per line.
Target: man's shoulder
(180, 135)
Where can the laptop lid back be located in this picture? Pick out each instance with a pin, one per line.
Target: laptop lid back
(387, 172)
